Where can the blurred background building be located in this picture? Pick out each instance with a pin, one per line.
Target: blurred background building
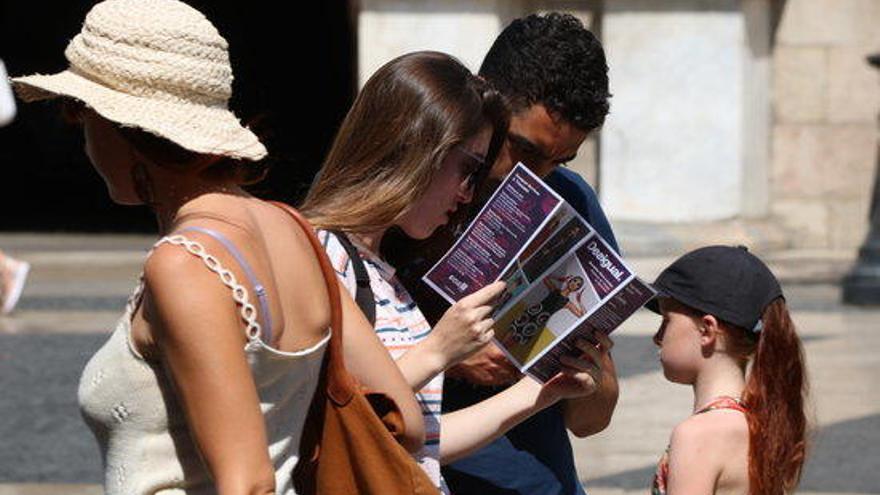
(750, 121)
(294, 82)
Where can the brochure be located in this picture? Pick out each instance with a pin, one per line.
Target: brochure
(563, 279)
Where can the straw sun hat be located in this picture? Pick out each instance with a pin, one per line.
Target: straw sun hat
(158, 65)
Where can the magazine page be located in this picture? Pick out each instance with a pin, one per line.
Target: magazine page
(563, 280)
(563, 231)
(605, 318)
(580, 281)
(508, 221)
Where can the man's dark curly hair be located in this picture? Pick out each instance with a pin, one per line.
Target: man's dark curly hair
(551, 59)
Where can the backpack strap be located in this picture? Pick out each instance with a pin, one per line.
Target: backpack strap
(364, 294)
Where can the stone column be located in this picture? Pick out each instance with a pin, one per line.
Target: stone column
(463, 28)
(671, 150)
(825, 102)
(757, 121)
(862, 285)
(389, 28)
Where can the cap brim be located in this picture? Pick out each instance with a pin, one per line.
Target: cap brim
(654, 303)
(200, 128)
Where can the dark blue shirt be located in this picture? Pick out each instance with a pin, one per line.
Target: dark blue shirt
(535, 457)
(575, 190)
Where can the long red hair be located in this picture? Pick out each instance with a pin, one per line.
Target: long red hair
(775, 395)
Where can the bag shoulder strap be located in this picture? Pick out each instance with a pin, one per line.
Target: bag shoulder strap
(364, 295)
(340, 384)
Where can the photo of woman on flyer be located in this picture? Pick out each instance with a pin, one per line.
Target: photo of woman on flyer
(555, 248)
(563, 293)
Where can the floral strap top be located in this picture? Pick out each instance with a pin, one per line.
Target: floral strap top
(658, 487)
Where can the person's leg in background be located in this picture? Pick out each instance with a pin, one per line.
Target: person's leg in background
(13, 274)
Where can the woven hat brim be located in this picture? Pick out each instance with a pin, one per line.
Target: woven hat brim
(198, 128)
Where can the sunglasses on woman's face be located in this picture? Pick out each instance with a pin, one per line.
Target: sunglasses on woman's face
(470, 165)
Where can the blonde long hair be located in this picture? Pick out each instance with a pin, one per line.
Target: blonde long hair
(408, 116)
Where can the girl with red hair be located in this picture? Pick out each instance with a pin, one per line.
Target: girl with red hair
(722, 310)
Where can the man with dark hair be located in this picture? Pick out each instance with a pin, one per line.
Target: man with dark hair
(553, 62)
(553, 73)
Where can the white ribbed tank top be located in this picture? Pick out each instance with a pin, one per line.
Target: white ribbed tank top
(131, 407)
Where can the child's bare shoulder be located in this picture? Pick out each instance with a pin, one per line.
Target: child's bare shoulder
(720, 424)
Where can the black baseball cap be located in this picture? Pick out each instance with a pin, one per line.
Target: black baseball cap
(727, 282)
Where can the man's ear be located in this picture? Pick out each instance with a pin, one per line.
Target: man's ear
(709, 327)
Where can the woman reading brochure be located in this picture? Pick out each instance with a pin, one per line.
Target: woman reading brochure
(408, 154)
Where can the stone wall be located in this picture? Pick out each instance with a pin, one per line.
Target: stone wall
(800, 103)
(671, 149)
(463, 28)
(826, 100)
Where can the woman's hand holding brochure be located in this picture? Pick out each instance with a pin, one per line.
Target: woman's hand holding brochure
(580, 376)
(465, 328)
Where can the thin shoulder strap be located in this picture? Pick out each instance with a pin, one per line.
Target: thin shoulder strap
(364, 294)
(259, 289)
(340, 385)
(239, 292)
(724, 402)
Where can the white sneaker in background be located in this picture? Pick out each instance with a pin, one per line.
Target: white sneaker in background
(7, 102)
(13, 274)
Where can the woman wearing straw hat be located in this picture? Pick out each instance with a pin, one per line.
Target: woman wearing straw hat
(204, 385)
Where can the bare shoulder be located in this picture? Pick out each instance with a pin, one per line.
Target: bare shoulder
(719, 422)
(727, 424)
(702, 452)
(165, 259)
(179, 284)
(692, 431)
(173, 265)
(711, 435)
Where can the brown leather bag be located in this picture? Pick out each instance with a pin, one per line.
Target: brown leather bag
(348, 444)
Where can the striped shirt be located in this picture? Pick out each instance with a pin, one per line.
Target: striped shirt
(400, 326)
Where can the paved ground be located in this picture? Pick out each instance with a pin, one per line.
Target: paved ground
(79, 285)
